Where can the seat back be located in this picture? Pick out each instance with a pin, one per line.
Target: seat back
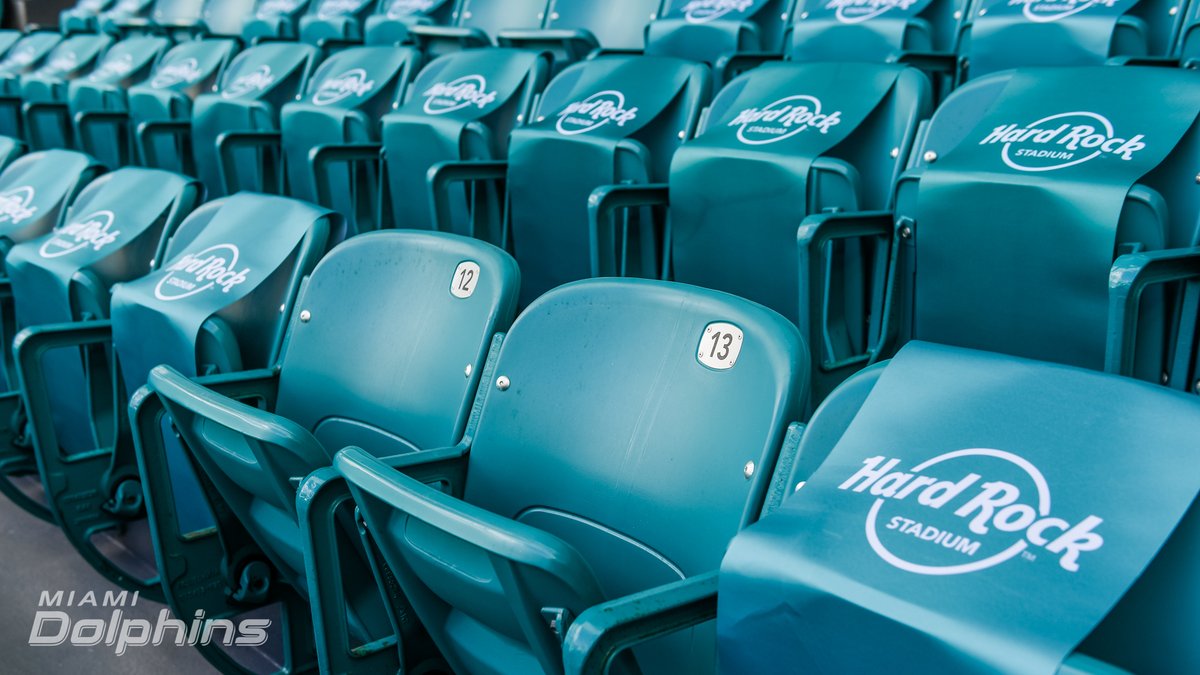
(344, 101)
(392, 18)
(227, 18)
(122, 11)
(181, 13)
(463, 106)
(637, 474)
(215, 303)
(274, 19)
(999, 35)
(113, 232)
(476, 23)
(28, 53)
(783, 141)
(35, 190)
(983, 481)
(865, 30)
(71, 58)
(334, 20)
(257, 83)
(616, 25)
(83, 16)
(612, 119)
(1040, 179)
(705, 30)
(126, 62)
(44, 91)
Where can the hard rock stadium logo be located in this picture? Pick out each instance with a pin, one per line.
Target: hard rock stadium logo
(463, 92)
(94, 230)
(858, 11)
(703, 11)
(1043, 11)
(595, 111)
(783, 119)
(216, 267)
(255, 81)
(1060, 141)
(184, 71)
(353, 82)
(16, 205)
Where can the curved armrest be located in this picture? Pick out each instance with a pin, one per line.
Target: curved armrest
(603, 205)
(466, 38)
(442, 174)
(86, 121)
(1131, 275)
(603, 631)
(323, 156)
(230, 142)
(149, 132)
(570, 45)
(942, 63)
(1158, 61)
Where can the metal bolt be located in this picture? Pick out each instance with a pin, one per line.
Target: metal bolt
(957, 15)
(1197, 387)
(1198, 178)
(930, 157)
(1166, 377)
(541, 118)
(798, 486)
(982, 12)
(468, 370)
(305, 316)
(803, 15)
(541, 15)
(682, 135)
(282, 309)
(520, 118)
(502, 383)
(1173, 11)
(748, 470)
(554, 16)
(895, 153)
(905, 232)
(783, 17)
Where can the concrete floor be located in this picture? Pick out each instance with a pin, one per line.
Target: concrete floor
(34, 556)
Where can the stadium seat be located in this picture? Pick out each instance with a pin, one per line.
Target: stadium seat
(594, 472)
(476, 23)
(336, 20)
(875, 32)
(440, 298)
(1187, 47)
(781, 142)
(217, 303)
(257, 83)
(344, 100)
(43, 91)
(177, 18)
(114, 14)
(84, 16)
(104, 235)
(275, 20)
(613, 119)
(1025, 188)
(392, 18)
(574, 29)
(999, 35)
(42, 56)
(463, 107)
(706, 30)
(1058, 486)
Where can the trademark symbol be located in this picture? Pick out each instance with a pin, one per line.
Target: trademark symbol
(1026, 555)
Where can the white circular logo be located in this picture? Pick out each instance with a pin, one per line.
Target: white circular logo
(1040, 11)
(255, 81)
(215, 266)
(1060, 141)
(594, 112)
(447, 97)
(178, 72)
(783, 119)
(94, 230)
(858, 11)
(400, 9)
(353, 82)
(15, 205)
(703, 11)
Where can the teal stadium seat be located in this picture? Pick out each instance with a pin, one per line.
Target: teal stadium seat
(594, 473)
(441, 298)
(84, 17)
(477, 23)
(1025, 192)
(344, 100)
(257, 83)
(107, 232)
(274, 20)
(25, 56)
(933, 585)
(782, 141)
(998, 35)
(575, 29)
(852, 30)
(392, 18)
(335, 20)
(179, 19)
(122, 13)
(612, 119)
(706, 30)
(217, 301)
(69, 59)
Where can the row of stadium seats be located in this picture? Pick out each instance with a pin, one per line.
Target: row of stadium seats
(542, 495)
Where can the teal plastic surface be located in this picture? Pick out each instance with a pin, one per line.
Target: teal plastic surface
(83, 17)
(876, 565)
(865, 30)
(476, 23)
(706, 30)
(463, 107)
(274, 19)
(392, 18)
(334, 20)
(558, 517)
(44, 91)
(612, 119)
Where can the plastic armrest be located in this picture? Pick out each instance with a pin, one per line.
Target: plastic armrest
(441, 175)
(605, 630)
(334, 44)
(446, 467)
(603, 205)
(87, 120)
(815, 233)
(228, 143)
(576, 44)
(942, 63)
(1081, 664)
(729, 66)
(466, 37)
(1130, 276)
(1159, 61)
(148, 132)
(323, 156)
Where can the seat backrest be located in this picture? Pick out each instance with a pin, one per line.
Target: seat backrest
(1000, 35)
(274, 19)
(784, 141)
(614, 25)
(35, 189)
(82, 17)
(128, 61)
(113, 232)
(620, 455)
(1045, 161)
(462, 106)
(392, 18)
(869, 30)
(343, 103)
(335, 20)
(177, 12)
(72, 57)
(983, 481)
(227, 18)
(705, 30)
(612, 119)
(492, 16)
(255, 86)
(28, 53)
